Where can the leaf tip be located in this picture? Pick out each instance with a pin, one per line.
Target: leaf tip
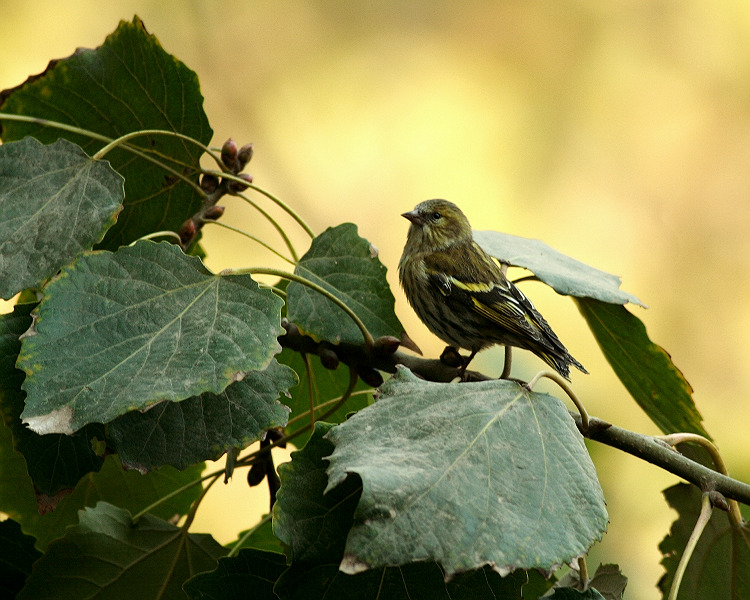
(351, 565)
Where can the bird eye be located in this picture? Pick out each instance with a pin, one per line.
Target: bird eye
(436, 215)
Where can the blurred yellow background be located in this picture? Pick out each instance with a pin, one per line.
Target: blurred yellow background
(617, 132)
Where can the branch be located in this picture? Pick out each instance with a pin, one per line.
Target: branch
(648, 448)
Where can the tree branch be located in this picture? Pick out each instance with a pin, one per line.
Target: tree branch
(385, 357)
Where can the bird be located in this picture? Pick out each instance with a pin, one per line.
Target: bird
(462, 294)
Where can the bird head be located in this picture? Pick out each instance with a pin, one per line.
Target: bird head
(437, 224)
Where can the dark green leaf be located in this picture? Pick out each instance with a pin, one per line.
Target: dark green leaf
(466, 475)
(562, 273)
(347, 266)
(261, 539)
(327, 385)
(417, 581)
(573, 594)
(55, 202)
(645, 369)
(720, 563)
(607, 581)
(122, 331)
(249, 575)
(55, 462)
(107, 556)
(203, 427)
(128, 84)
(17, 555)
(314, 526)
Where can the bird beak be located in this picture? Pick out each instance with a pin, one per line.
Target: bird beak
(414, 217)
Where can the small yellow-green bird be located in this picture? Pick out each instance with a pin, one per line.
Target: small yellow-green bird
(461, 294)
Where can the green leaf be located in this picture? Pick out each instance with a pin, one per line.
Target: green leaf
(608, 582)
(573, 594)
(261, 539)
(721, 559)
(562, 273)
(645, 369)
(17, 555)
(128, 489)
(466, 475)
(55, 202)
(347, 266)
(327, 385)
(122, 331)
(203, 427)
(55, 462)
(314, 531)
(107, 556)
(424, 580)
(128, 84)
(236, 576)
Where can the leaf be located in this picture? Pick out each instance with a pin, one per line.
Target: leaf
(261, 539)
(347, 266)
(236, 576)
(645, 369)
(467, 475)
(55, 202)
(107, 556)
(128, 84)
(720, 562)
(562, 273)
(327, 385)
(55, 462)
(203, 427)
(574, 594)
(314, 531)
(17, 555)
(424, 580)
(122, 331)
(608, 581)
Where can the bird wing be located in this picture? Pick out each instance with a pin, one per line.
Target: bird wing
(471, 279)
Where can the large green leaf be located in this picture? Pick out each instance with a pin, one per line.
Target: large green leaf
(128, 84)
(562, 273)
(645, 369)
(347, 266)
(55, 202)
(54, 461)
(327, 385)
(107, 556)
(17, 555)
(720, 563)
(315, 526)
(466, 475)
(250, 574)
(203, 427)
(122, 331)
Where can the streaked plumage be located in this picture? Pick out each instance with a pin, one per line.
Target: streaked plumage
(461, 294)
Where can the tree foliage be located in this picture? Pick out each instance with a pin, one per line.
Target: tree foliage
(127, 363)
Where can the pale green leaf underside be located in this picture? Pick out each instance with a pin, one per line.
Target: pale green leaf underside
(562, 273)
(467, 475)
(55, 203)
(125, 330)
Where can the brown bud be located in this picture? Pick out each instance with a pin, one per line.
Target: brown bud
(451, 357)
(370, 376)
(236, 186)
(187, 232)
(229, 155)
(257, 473)
(209, 183)
(386, 345)
(245, 155)
(328, 358)
(213, 213)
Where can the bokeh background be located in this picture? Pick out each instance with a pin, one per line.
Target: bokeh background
(618, 132)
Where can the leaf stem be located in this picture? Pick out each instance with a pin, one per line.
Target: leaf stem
(286, 208)
(238, 544)
(313, 286)
(141, 132)
(156, 234)
(173, 493)
(252, 237)
(735, 516)
(568, 390)
(196, 503)
(700, 525)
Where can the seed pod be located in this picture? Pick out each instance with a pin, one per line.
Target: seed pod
(213, 213)
(187, 232)
(386, 345)
(257, 473)
(370, 376)
(245, 155)
(209, 183)
(328, 358)
(229, 155)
